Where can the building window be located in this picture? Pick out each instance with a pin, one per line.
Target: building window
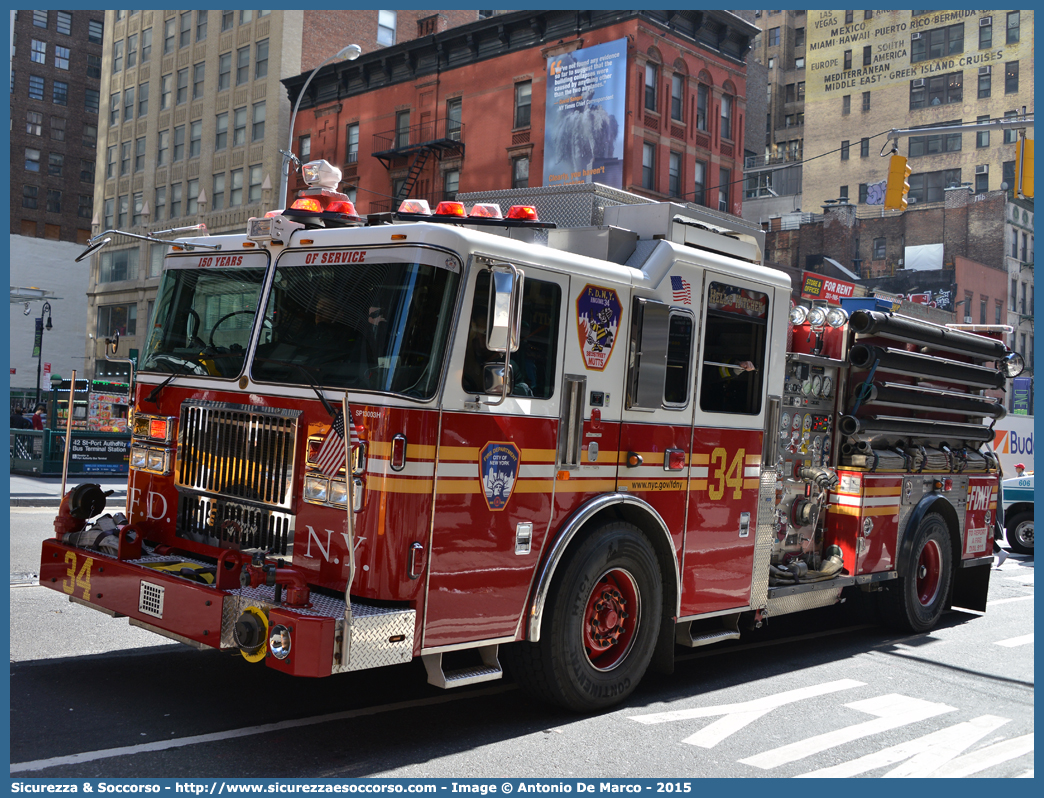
(258, 130)
(132, 50)
(1015, 253)
(799, 37)
(195, 138)
(848, 59)
(166, 83)
(261, 60)
(137, 204)
(849, 16)
(64, 25)
(929, 186)
(651, 79)
(983, 301)
(879, 248)
(402, 129)
(523, 103)
(169, 34)
(117, 56)
(985, 84)
(863, 192)
(789, 95)
(699, 192)
(935, 144)
(724, 190)
(61, 57)
(304, 148)
(55, 164)
(844, 150)
(799, 63)
(677, 98)
(773, 37)
(352, 139)
(182, 91)
(38, 54)
(864, 148)
(95, 31)
(36, 87)
(982, 178)
(254, 193)
(60, 93)
(146, 45)
(674, 165)
(217, 199)
(702, 94)
(1011, 77)
(179, 143)
(867, 55)
(386, 28)
(139, 155)
(128, 104)
(32, 160)
(1013, 28)
(159, 206)
(121, 211)
(939, 90)
(34, 123)
(86, 170)
(85, 206)
(125, 158)
(185, 37)
(110, 162)
(29, 195)
(726, 116)
(228, 19)
(175, 200)
(982, 137)
(937, 43)
(986, 36)
(242, 65)
(143, 99)
(235, 192)
(648, 166)
(163, 149)
(846, 104)
(842, 193)
(998, 312)
(454, 108)
(91, 101)
(239, 117)
(201, 25)
(224, 71)
(866, 101)
(122, 319)
(94, 67)
(519, 172)
(246, 17)
(198, 77)
(1010, 134)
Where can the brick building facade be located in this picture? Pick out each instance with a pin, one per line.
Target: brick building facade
(55, 99)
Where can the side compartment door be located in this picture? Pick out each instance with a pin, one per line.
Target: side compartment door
(496, 464)
(725, 462)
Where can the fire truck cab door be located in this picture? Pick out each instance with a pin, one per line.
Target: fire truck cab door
(725, 463)
(496, 463)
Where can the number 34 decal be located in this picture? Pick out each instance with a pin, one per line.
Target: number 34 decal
(77, 579)
(728, 474)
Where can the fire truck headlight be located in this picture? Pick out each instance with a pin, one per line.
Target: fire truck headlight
(817, 317)
(316, 489)
(1013, 364)
(836, 317)
(279, 641)
(321, 173)
(338, 493)
(138, 457)
(156, 461)
(141, 426)
(798, 314)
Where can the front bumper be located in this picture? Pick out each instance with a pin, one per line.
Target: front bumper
(203, 615)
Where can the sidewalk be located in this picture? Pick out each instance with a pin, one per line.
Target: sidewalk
(46, 491)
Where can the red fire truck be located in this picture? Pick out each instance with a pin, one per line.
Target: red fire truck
(466, 437)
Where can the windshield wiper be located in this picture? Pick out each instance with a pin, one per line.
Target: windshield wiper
(312, 382)
(154, 394)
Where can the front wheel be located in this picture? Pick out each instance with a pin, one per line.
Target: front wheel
(1020, 533)
(600, 624)
(915, 601)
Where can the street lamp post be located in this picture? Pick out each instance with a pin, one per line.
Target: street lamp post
(348, 53)
(40, 327)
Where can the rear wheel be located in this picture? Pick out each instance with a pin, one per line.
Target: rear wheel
(916, 600)
(600, 624)
(1019, 533)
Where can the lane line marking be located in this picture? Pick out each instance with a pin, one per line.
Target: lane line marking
(1012, 642)
(1010, 600)
(249, 731)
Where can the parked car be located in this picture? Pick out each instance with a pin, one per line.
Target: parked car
(1017, 499)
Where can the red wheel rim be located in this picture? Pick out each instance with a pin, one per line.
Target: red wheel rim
(929, 565)
(611, 619)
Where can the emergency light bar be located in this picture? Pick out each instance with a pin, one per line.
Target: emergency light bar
(481, 214)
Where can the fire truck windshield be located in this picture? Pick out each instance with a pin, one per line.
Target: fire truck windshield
(381, 325)
(202, 320)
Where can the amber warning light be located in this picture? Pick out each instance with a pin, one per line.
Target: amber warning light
(481, 214)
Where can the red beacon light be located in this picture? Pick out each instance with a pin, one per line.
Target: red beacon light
(447, 208)
(485, 210)
(310, 204)
(525, 213)
(417, 206)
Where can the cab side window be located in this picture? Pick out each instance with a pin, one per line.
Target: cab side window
(533, 364)
(732, 371)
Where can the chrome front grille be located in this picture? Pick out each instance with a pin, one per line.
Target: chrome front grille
(231, 525)
(242, 452)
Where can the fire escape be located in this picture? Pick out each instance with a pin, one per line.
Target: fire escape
(417, 144)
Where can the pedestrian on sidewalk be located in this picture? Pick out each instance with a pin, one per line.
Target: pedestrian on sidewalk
(40, 416)
(18, 419)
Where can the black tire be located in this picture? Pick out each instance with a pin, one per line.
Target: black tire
(1019, 533)
(586, 667)
(915, 602)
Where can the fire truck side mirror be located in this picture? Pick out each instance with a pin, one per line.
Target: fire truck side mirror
(505, 308)
(496, 381)
(114, 342)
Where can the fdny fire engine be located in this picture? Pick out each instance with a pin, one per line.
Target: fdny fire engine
(472, 437)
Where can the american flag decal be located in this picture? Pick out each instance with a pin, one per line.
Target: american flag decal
(682, 292)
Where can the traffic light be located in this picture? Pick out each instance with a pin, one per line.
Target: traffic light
(898, 184)
(1024, 167)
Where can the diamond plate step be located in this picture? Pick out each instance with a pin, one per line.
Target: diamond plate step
(488, 671)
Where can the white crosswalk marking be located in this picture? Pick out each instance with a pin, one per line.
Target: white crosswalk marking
(892, 711)
(1012, 642)
(924, 755)
(1026, 577)
(978, 761)
(736, 716)
(996, 602)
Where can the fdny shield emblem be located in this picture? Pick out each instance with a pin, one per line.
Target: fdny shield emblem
(498, 469)
(598, 312)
